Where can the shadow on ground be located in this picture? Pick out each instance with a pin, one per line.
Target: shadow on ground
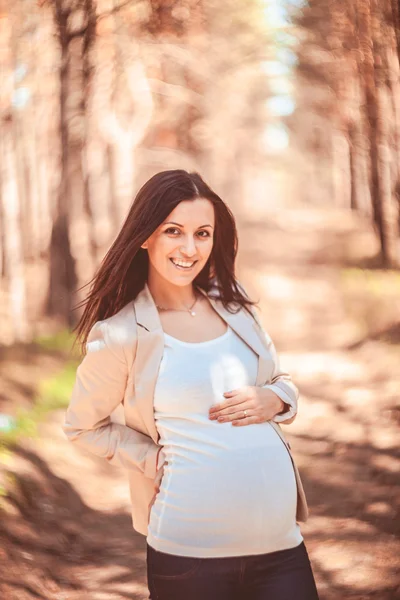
(50, 539)
(52, 542)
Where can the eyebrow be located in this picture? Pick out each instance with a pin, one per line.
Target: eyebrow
(179, 225)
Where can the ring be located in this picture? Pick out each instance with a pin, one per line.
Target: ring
(245, 413)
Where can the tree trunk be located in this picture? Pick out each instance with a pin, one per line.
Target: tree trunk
(127, 113)
(389, 233)
(63, 277)
(71, 251)
(386, 74)
(13, 250)
(367, 68)
(393, 62)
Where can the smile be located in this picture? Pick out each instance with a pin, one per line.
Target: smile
(184, 265)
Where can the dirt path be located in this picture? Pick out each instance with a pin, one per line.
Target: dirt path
(345, 437)
(68, 535)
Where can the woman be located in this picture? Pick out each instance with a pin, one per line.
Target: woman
(171, 335)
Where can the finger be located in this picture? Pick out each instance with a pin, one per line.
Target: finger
(230, 396)
(158, 478)
(235, 401)
(232, 392)
(238, 414)
(252, 420)
(234, 410)
(230, 410)
(224, 405)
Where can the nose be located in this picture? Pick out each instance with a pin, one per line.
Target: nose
(189, 247)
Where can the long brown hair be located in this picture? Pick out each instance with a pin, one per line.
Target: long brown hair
(124, 269)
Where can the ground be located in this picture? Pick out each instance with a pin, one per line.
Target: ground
(66, 531)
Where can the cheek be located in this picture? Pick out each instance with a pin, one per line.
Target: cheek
(161, 248)
(208, 248)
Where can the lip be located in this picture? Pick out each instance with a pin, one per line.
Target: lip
(179, 258)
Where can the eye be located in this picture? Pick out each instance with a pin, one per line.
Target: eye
(174, 230)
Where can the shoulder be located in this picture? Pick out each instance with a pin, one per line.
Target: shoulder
(254, 310)
(125, 316)
(117, 333)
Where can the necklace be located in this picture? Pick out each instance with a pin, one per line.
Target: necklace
(189, 310)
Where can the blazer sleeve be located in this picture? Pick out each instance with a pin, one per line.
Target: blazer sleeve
(281, 382)
(283, 386)
(99, 388)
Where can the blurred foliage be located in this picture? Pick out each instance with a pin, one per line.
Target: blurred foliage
(60, 341)
(53, 393)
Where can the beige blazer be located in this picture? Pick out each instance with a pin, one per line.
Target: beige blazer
(118, 375)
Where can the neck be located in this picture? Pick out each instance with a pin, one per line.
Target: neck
(168, 295)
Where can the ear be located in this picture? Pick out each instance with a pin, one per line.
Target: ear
(144, 246)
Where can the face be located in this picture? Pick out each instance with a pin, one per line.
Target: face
(181, 246)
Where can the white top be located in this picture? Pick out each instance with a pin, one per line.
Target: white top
(226, 491)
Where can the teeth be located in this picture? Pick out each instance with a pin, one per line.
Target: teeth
(182, 263)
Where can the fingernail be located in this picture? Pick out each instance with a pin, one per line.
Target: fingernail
(221, 419)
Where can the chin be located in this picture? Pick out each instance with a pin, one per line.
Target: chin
(181, 281)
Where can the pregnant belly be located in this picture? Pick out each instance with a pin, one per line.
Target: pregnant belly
(229, 496)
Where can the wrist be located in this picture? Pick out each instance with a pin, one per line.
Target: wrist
(282, 407)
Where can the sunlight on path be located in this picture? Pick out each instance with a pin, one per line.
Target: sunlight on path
(344, 438)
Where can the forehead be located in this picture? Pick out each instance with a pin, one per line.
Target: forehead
(193, 212)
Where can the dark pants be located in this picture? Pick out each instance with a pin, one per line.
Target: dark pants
(282, 575)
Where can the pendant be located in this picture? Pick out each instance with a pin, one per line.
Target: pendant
(192, 313)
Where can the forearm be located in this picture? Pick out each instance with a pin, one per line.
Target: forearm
(117, 443)
(280, 382)
(99, 388)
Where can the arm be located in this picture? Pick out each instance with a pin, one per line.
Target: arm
(99, 388)
(281, 382)
(283, 386)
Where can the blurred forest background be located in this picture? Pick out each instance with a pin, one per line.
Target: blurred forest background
(290, 109)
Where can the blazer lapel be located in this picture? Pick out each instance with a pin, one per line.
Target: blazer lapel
(150, 348)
